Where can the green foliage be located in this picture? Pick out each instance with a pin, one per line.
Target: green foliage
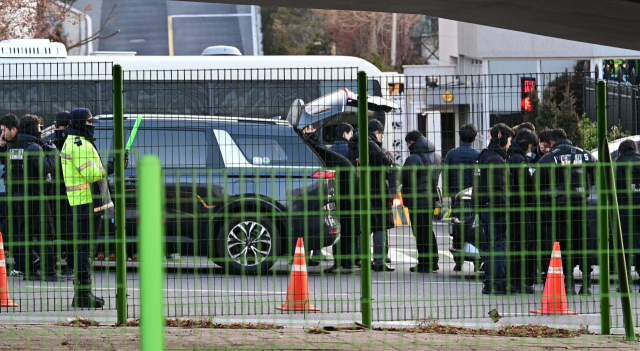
(568, 119)
(589, 130)
(290, 31)
(547, 112)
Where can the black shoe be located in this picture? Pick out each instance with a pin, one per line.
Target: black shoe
(358, 264)
(457, 268)
(68, 272)
(424, 268)
(387, 260)
(34, 277)
(486, 290)
(382, 267)
(528, 289)
(97, 298)
(313, 263)
(54, 277)
(86, 299)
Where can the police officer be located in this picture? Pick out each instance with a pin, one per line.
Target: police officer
(28, 168)
(88, 194)
(492, 198)
(521, 199)
(61, 208)
(628, 193)
(420, 176)
(564, 187)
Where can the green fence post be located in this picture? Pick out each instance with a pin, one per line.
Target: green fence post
(603, 217)
(121, 247)
(151, 249)
(623, 278)
(365, 199)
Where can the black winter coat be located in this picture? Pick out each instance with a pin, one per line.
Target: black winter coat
(628, 191)
(521, 177)
(493, 177)
(420, 175)
(581, 175)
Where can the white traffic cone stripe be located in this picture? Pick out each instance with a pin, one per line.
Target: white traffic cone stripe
(2, 263)
(299, 250)
(556, 270)
(299, 268)
(556, 254)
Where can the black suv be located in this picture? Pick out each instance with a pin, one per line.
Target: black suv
(238, 190)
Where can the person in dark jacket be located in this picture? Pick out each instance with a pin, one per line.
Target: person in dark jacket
(344, 132)
(543, 147)
(27, 170)
(381, 200)
(628, 193)
(420, 176)
(492, 198)
(521, 200)
(456, 178)
(569, 197)
(347, 188)
(61, 208)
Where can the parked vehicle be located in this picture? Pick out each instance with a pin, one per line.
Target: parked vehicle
(240, 191)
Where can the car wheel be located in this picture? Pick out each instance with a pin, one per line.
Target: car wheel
(247, 245)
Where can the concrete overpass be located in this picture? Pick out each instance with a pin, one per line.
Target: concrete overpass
(608, 22)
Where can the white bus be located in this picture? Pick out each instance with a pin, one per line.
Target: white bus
(39, 78)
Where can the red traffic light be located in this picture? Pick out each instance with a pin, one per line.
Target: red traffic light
(526, 104)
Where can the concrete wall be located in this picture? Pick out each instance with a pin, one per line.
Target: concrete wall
(448, 33)
(482, 42)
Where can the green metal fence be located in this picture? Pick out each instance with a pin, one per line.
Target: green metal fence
(251, 161)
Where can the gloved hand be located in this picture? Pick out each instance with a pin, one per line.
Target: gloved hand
(126, 160)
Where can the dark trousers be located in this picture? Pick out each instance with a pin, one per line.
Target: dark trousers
(347, 245)
(87, 226)
(494, 232)
(570, 229)
(422, 226)
(32, 234)
(522, 262)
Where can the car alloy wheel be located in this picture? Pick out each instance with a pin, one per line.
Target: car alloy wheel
(249, 243)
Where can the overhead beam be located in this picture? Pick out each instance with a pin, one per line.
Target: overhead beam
(612, 23)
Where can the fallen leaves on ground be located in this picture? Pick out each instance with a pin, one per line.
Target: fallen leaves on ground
(205, 323)
(316, 330)
(77, 321)
(530, 330)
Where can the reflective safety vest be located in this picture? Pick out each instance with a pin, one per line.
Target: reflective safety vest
(82, 169)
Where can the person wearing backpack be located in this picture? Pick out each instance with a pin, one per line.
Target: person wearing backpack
(628, 193)
(420, 176)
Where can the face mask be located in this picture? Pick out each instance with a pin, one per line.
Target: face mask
(88, 130)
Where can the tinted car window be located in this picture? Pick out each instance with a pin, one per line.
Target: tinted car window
(276, 150)
(261, 150)
(176, 148)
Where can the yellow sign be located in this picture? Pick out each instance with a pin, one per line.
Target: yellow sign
(447, 97)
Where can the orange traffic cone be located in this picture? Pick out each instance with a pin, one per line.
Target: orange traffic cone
(554, 297)
(5, 299)
(298, 292)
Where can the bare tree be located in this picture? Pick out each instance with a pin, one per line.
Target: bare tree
(43, 19)
(363, 34)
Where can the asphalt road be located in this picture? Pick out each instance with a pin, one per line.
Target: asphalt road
(400, 297)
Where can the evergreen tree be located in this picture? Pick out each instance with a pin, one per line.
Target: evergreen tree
(568, 119)
(547, 111)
